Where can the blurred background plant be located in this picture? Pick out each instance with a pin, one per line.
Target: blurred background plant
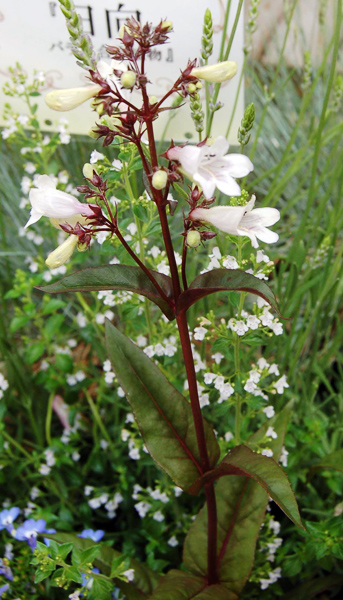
(70, 452)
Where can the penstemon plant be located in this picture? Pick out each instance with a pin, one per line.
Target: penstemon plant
(220, 545)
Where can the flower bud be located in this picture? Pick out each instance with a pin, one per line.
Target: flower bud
(159, 180)
(153, 99)
(193, 238)
(82, 247)
(93, 134)
(192, 88)
(216, 73)
(58, 257)
(68, 99)
(88, 170)
(128, 79)
(168, 25)
(198, 85)
(122, 31)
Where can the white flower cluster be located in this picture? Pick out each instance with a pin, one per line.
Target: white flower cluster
(265, 318)
(134, 444)
(265, 369)
(167, 348)
(110, 298)
(204, 399)
(109, 503)
(218, 261)
(3, 385)
(273, 577)
(62, 130)
(145, 505)
(45, 469)
(284, 457)
(225, 389)
(100, 317)
(76, 378)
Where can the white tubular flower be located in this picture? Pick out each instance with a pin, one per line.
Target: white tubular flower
(216, 73)
(208, 166)
(63, 100)
(47, 201)
(241, 220)
(62, 253)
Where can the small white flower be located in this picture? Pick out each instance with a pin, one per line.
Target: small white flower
(253, 322)
(173, 541)
(269, 411)
(271, 433)
(267, 452)
(228, 436)
(209, 378)
(199, 333)
(44, 470)
(129, 574)
(230, 262)
(208, 166)
(281, 384)
(284, 456)
(158, 516)
(142, 508)
(217, 357)
(261, 257)
(273, 370)
(275, 526)
(241, 220)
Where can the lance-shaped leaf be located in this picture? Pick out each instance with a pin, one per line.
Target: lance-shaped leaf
(178, 585)
(145, 580)
(229, 280)
(243, 461)
(163, 415)
(241, 506)
(333, 461)
(117, 277)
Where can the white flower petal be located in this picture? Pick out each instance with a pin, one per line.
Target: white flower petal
(267, 236)
(267, 216)
(227, 185)
(207, 184)
(238, 165)
(44, 181)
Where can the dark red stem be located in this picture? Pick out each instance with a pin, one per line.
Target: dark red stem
(181, 320)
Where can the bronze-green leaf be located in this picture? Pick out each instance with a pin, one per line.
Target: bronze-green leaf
(117, 277)
(241, 506)
(178, 585)
(163, 415)
(243, 461)
(221, 280)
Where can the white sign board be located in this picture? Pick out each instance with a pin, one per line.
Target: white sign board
(33, 32)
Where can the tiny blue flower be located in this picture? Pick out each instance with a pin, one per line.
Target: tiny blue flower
(3, 589)
(87, 580)
(5, 570)
(90, 534)
(46, 540)
(29, 530)
(7, 517)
